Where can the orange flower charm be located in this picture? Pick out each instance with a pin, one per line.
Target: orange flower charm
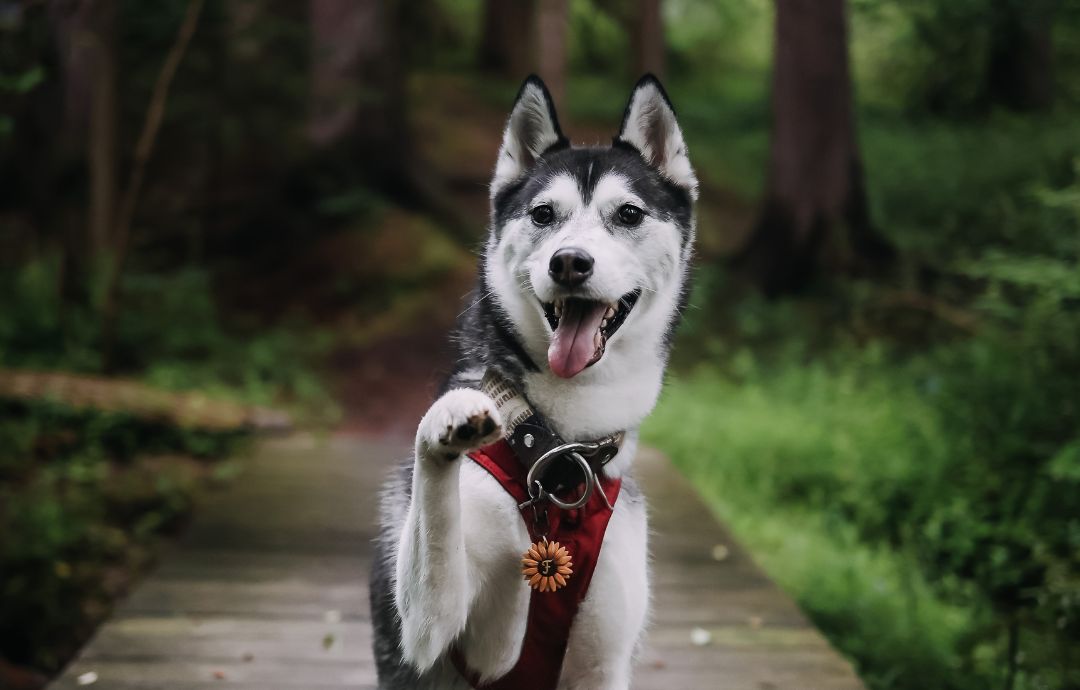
(546, 565)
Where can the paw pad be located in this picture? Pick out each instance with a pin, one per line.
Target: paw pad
(466, 432)
(477, 426)
(463, 420)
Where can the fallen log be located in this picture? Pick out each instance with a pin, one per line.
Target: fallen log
(188, 410)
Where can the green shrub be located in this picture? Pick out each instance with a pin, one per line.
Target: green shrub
(810, 465)
(82, 498)
(919, 509)
(921, 501)
(169, 333)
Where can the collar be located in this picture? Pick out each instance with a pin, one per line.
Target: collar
(532, 439)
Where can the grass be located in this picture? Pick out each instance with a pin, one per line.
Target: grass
(918, 503)
(782, 457)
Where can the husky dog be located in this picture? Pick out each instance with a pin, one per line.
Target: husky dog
(581, 284)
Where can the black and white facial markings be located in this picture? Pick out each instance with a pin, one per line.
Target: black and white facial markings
(589, 248)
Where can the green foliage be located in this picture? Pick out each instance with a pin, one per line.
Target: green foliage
(23, 82)
(727, 35)
(935, 56)
(598, 44)
(922, 504)
(15, 85)
(80, 505)
(939, 189)
(916, 508)
(936, 53)
(801, 462)
(170, 333)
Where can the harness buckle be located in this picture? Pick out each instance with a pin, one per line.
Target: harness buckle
(605, 449)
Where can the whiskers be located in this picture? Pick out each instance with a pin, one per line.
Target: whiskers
(475, 303)
(523, 284)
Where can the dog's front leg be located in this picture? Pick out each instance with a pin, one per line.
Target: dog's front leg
(433, 590)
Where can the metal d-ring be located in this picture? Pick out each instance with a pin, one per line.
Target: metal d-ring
(542, 463)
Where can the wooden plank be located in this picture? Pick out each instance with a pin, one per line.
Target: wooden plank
(195, 563)
(268, 590)
(164, 672)
(287, 597)
(231, 639)
(750, 635)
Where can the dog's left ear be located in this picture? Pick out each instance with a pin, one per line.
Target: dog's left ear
(649, 125)
(531, 130)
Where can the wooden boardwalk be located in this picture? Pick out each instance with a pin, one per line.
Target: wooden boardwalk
(268, 591)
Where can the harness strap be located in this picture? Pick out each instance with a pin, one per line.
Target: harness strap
(551, 614)
(531, 437)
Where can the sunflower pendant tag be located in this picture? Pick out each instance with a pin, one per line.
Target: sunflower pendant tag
(546, 565)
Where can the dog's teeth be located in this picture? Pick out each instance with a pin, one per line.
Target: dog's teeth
(609, 313)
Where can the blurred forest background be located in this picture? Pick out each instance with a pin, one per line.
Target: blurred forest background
(211, 208)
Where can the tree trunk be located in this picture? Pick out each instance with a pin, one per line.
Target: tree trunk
(101, 139)
(358, 83)
(72, 25)
(552, 23)
(507, 35)
(814, 218)
(1020, 69)
(647, 38)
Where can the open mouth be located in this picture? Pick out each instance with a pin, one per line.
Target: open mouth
(580, 330)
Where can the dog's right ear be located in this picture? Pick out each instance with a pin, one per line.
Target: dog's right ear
(531, 130)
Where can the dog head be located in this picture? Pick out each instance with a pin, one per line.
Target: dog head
(589, 247)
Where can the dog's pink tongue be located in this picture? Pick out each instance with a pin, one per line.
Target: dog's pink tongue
(572, 344)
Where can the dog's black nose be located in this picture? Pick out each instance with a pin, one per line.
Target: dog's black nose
(570, 267)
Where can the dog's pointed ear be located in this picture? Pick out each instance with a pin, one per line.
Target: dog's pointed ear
(649, 125)
(531, 130)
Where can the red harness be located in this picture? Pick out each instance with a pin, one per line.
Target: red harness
(551, 614)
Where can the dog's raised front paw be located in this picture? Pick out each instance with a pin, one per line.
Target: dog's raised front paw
(461, 420)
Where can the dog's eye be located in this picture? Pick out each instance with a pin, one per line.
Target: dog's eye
(542, 215)
(629, 214)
